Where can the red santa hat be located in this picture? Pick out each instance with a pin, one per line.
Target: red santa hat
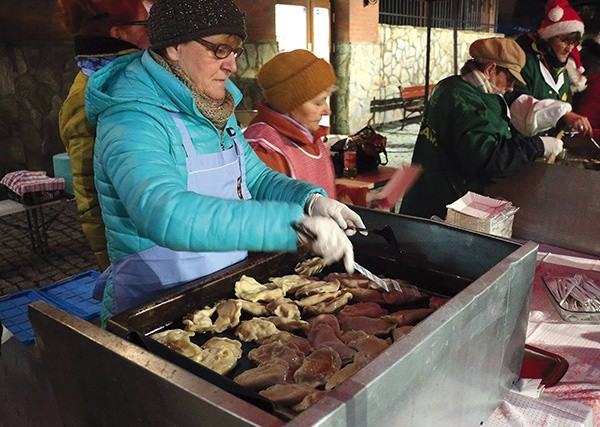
(578, 80)
(560, 18)
(577, 59)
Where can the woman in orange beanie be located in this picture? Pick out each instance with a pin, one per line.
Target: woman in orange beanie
(286, 132)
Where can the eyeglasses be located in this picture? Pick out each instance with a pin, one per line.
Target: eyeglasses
(142, 23)
(510, 79)
(569, 39)
(221, 51)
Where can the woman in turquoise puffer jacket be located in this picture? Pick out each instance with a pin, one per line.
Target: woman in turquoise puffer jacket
(182, 193)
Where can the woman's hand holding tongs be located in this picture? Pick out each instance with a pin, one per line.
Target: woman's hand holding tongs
(346, 218)
(326, 239)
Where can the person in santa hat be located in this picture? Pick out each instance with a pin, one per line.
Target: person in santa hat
(542, 106)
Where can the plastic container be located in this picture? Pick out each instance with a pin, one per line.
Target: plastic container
(552, 272)
(574, 316)
(75, 295)
(14, 315)
(62, 168)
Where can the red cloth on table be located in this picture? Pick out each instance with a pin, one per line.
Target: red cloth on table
(24, 181)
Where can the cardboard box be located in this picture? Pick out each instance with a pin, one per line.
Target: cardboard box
(480, 213)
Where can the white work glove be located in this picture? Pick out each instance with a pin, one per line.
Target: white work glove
(327, 240)
(552, 146)
(339, 212)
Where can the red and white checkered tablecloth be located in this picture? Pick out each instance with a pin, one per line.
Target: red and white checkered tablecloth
(24, 181)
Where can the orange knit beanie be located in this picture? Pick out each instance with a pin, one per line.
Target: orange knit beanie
(290, 79)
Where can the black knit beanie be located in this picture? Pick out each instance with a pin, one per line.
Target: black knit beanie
(178, 21)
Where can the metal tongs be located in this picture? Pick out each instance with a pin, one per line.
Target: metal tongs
(300, 228)
(386, 232)
(552, 158)
(377, 280)
(572, 133)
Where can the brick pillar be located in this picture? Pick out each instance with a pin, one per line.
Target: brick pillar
(355, 46)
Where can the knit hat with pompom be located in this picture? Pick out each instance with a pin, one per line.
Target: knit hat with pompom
(560, 18)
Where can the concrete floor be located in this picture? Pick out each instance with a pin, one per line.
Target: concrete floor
(400, 142)
(68, 254)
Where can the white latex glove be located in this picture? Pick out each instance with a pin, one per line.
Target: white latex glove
(339, 212)
(552, 146)
(327, 240)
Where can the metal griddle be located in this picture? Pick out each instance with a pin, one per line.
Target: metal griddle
(142, 338)
(471, 348)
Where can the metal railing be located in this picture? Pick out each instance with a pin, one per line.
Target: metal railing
(465, 14)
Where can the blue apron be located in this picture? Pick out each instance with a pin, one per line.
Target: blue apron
(140, 277)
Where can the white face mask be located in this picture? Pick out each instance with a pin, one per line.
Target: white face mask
(495, 89)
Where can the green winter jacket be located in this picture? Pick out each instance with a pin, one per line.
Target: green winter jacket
(536, 86)
(464, 144)
(141, 176)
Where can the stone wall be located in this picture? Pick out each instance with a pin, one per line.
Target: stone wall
(368, 71)
(358, 72)
(255, 55)
(34, 80)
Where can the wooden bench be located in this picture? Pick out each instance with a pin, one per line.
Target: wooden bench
(411, 101)
(414, 100)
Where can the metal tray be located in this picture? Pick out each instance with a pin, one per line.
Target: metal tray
(226, 381)
(549, 271)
